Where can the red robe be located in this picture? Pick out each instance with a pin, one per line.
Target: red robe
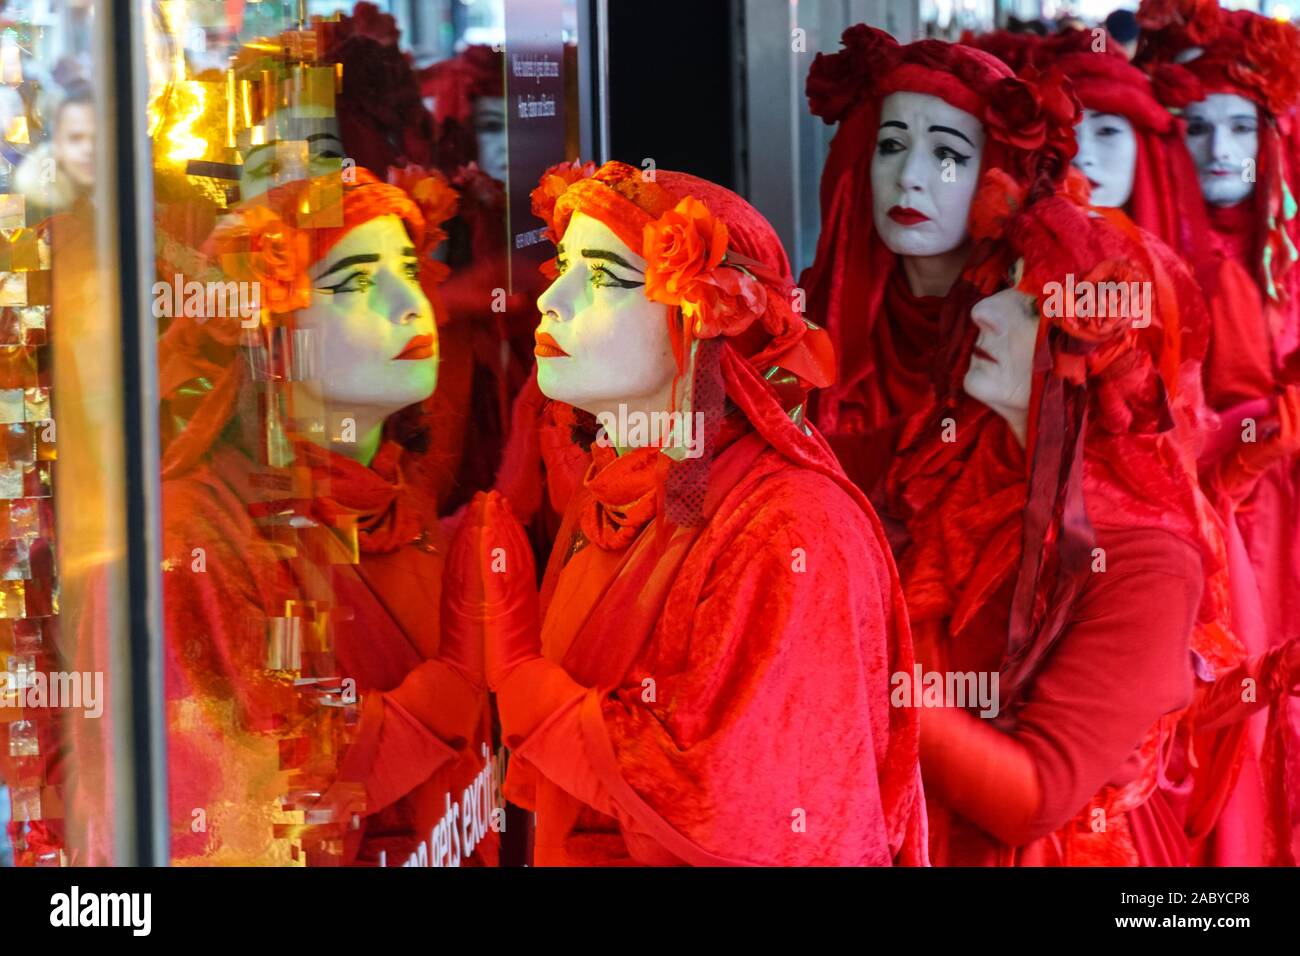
(1250, 340)
(1102, 720)
(719, 694)
(234, 727)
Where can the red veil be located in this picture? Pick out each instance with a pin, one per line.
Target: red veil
(641, 601)
(1002, 540)
(853, 272)
(1192, 49)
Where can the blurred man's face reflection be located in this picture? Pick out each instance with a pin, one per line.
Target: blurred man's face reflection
(299, 145)
(490, 130)
(74, 143)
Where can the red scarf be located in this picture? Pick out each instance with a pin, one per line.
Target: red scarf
(625, 493)
(906, 346)
(377, 499)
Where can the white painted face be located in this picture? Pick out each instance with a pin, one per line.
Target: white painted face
(1223, 138)
(1107, 156)
(376, 344)
(300, 143)
(1001, 367)
(924, 173)
(490, 133)
(601, 342)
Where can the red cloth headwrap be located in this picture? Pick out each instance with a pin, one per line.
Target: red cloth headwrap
(273, 240)
(1029, 124)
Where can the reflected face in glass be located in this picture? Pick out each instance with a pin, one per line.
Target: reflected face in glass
(298, 145)
(924, 173)
(74, 143)
(601, 342)
(375, 340)
(1001, 367)
(490, 131)
(1107, 156)
(1223, 138)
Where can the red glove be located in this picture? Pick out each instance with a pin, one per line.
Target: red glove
(1275, 673)
(1242, 467)
(490, 590)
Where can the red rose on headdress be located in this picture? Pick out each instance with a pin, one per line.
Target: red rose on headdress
(682, 244)
(1272, 67)
(367, 20)
(685, 251)
(432, 193)
(263, 248)
(554, 183)
(727, 302)
(836, 81)
(1015, 114)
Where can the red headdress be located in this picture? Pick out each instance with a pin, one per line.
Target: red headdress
(1002, 538)
(1030, 134)
(272, 241)
(454, 84)
(1193, 49)
(1100, 449)
(719, 265)
(737, 337)
(1016, 50)
(382, 120)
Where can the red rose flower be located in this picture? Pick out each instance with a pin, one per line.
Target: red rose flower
(368, 20)
(682, 244)
(256, 245)
(554, 183)
(836, 81)
(433, 194)
(1015, 115)
(726, 302)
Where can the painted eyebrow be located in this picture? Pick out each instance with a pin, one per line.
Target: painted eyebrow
(310, 139)
(351, 261)
(894, 123)
(610, 256)
(949, 129)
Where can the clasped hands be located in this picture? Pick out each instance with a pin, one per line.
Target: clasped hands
(490, 622)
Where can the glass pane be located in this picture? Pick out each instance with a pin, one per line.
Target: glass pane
(62, 538)
(346, 270)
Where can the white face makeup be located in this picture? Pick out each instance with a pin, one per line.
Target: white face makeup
(1107, 156)
(490, 133)
(601, 342)
(1223, 138)
(1001, 367)
(301, 143)
(376, 345)
(924, 173)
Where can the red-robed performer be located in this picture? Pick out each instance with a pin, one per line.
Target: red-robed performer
(1235, 76)
(299, 523)
(918, 124)
(720, 617)
(1058, 540)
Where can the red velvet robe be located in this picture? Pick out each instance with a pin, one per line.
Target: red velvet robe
(1249, 341)
(420, 746)
(719, 695)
